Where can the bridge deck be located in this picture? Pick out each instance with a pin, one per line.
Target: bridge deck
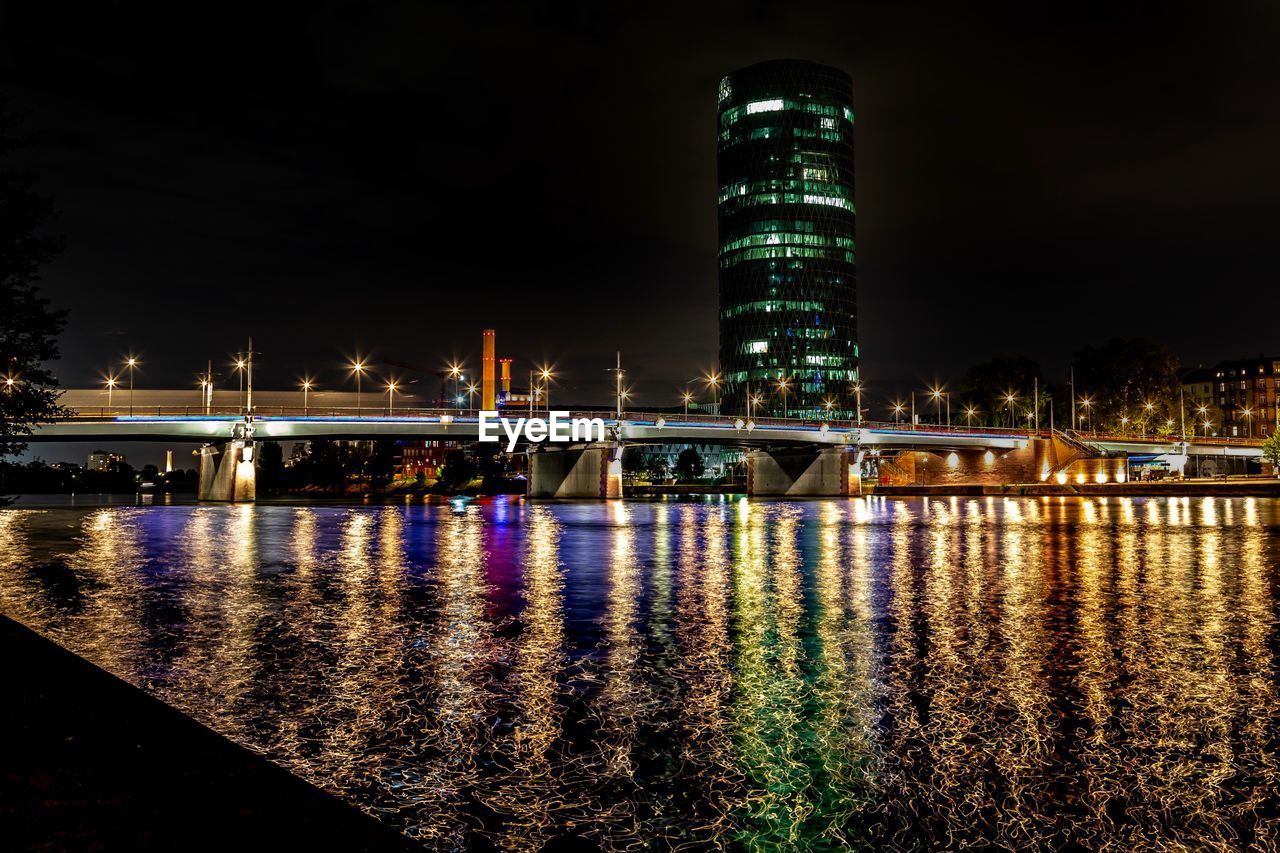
(192, 424)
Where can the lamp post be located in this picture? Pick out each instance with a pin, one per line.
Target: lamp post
(938, 394)
(783, 385)
(9, 383)
(1010, 398)
(546, 375)
(240, 365)
(472, 389)
(131, 362)
(617, 382)
(1124, 424)
(828, 404)
(1085, 403)
(1147, 407)
(897, 412)
(208, 387)
(455, 371)
(857, 398)
(1204, 416)
(753, 403)
(969, 412)
(686, 396)
(358, 367)
(248, 397)
(111, 387)
(1248, 419)
(391, 397)
(306, 391)
(713, 380)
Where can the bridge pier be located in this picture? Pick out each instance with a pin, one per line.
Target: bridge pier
(590, 471)
(804, 472)
(228, 472)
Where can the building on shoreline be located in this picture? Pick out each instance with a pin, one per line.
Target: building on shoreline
(1246, 392)
(104, 460)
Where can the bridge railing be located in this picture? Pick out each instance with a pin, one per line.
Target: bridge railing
(1148, 438)
(100, 413)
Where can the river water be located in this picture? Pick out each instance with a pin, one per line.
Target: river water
(907, 674)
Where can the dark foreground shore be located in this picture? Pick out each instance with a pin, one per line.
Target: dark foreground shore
(93, 763)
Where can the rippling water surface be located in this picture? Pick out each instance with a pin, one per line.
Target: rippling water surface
(828, 674)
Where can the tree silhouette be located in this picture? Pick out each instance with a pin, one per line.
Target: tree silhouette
(29, 328)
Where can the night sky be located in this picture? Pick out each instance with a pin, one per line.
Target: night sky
(392, 180)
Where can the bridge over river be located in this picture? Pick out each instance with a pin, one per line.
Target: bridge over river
(785, 456)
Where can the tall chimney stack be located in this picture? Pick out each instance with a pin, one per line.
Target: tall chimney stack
(488, 389)
(506, 378)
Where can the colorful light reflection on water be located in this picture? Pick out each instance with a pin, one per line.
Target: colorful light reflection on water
(829, 674)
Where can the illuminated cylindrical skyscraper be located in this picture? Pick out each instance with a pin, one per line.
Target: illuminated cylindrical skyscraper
(788, 291)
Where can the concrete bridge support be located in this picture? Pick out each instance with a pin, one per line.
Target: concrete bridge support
(227, 472)
(804, 473)
(592, 471)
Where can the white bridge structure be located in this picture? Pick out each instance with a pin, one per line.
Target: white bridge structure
(785, 457)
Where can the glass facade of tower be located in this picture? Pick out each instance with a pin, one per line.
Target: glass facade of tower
(788, 293)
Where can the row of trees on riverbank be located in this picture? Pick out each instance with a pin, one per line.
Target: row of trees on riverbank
(1125, 385)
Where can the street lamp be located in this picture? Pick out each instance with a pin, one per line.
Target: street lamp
(455, 371)
(938, 394)
(111, 387)
(753, 402)
(306, 391)
(359, 367)
(969, 412)
(897, 411)
(472, 389)
(1010, 399)
(391, 397)
(240, 365)
(1248, 419)
(783, 385)
(828, 404)
(131, 362)
(546, 376)
(1085, 402)
(686, 397)
(1148, 407)
(713, 380)
(1124, 423)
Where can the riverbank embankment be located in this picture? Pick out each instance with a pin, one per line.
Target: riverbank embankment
(94, 763)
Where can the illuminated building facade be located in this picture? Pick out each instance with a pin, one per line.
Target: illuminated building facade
(421, 457)
(1247, 393)
(104, 460)
(788, 293)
